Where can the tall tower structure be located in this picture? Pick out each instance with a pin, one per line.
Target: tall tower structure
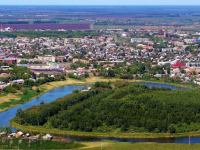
(1, 27)
(165, 34)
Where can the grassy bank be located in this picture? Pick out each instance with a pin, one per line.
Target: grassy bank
(115, 134)
(112, 145)
(8, 100)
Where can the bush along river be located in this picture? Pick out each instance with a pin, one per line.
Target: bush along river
(62, 91)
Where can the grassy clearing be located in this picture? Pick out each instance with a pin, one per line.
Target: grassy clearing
(7, 97)
(111, 145)
(11, 100)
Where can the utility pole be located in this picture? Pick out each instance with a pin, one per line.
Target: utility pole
(189, 140)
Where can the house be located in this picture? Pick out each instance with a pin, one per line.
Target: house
(19, 81)
(4, 75)
(139, 40)
(2, 56)
(5, 68)
(9, 60)
(2, 133)
(81, 60)
(177, 65)
(18, 134)
(47, 137)
(34, 137)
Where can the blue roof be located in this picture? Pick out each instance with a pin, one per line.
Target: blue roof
(22, 65)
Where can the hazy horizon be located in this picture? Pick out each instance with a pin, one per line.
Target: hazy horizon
(98, 5)
(102, 2)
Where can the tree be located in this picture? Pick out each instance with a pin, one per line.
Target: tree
(9, 89)
(111, 73)
(172, 129)
(25, 91)
(16, 86)
(37, 90)
(28, 83)
(128, 69)
(86, 75)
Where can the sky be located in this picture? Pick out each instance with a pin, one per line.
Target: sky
(99, 2)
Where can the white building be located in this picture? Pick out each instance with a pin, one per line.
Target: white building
(188, 40)
(167, 49)
(139, 40)
(47, 58)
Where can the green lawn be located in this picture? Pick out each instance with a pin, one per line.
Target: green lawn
(110, 145)
(23, 99)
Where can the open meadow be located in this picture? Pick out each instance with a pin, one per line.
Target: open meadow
(111, 145)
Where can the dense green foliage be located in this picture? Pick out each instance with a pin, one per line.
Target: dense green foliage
(57, 34)
(15, 72)
(121, 106)
(71, 75)
(5, 129)
(15, 22)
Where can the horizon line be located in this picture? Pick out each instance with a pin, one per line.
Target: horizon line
(92, 5)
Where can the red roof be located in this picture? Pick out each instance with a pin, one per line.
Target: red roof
(177, 65)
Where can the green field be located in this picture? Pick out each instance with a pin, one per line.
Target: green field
(9, 100)
(110, 145)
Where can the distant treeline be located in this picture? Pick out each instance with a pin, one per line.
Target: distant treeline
(111, 23)
(120, 106)
(15, 22)
(27, 22)
(45, 22)
(57, 34)
(118, 23)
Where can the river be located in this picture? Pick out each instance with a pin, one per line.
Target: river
(62, 91)
(47, 97)
(172, 87)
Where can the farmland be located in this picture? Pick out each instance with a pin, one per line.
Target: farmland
(48, 26)
(98, 17)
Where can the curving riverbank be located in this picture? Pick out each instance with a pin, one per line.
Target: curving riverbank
(12, 101)
(39, 129)
(9, 101)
